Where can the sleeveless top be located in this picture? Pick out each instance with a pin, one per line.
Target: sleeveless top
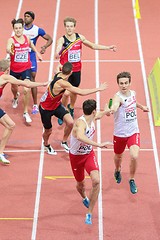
(2, 86)
(50, 101)
(80, 148)
(125, 118)
(20, 60)
(71, 52)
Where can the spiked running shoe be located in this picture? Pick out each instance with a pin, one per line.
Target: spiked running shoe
(71, 110)
(15, 101)
(65, 146)
(88, 219)
(117, 176)
(27, 117)
(35, 109)
(50, 150)
(86, 202)
(133, 187)
(4, 160)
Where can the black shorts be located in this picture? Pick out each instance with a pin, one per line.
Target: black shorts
(46, 115)
(2, 113)
(75, 79)
(22, 75)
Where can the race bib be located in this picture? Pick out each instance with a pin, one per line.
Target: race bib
(74, 55)
(130, 114)
(21, 56)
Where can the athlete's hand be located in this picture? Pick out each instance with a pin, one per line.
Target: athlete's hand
(43, 49)
(113, 48)
(39, 56)
(105, 144)
(103, 86)
(145, 109)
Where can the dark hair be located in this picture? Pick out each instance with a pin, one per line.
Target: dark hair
(30, 13)
(69, 19)
(67, 68)
(89, 106)
(124, 75)
(19, 20)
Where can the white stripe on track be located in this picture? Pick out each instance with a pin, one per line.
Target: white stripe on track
(100, 212)
(40, 172)
(147, 97)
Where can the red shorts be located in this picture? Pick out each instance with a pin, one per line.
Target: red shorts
(79, 163)
(121, 142)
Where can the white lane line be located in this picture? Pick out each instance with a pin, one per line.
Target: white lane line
(147, 98)
(100, 212)
(41, 163)
(100, 60)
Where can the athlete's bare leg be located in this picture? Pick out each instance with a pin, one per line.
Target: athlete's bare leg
(9, 125)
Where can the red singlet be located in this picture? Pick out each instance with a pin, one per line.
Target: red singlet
(20, 61)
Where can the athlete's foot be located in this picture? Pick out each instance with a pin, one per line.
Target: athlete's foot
(35, 109)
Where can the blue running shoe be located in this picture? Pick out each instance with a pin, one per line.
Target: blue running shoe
(35, 109)
(71, 110)
(88, 219)
(86, 202)
(60, 122)
(133, 187)
(117, 176)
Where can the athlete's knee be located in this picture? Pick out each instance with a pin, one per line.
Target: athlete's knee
(134, 157)
(48, 131)
(11, 126)
(66, 94)
(69, 122)
(95, 180)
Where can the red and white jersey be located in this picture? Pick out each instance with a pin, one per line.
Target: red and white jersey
(2, 86)
(50, 101)
(125, 118)
(71, 52)
(20, 61)
(80, 148)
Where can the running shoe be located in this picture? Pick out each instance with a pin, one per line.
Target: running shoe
(3, 159)
(60, 122)
(50, 150)
(133, 187)
(117, 176)
(15, 101)
(71, 110)
(86, 202)
(65, 146)
(35, 109)
(27, 117)
(88, 219)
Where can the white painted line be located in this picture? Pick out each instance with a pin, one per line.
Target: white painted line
(40, 172)
(147, 98)
(99, 60)
(100, 208)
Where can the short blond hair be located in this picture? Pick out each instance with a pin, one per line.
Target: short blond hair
(4, 65)
(70, 19)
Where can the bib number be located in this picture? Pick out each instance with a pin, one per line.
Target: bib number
(21, 57)
(130, 115)
(74, 55)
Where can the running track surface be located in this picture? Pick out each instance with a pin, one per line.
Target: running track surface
(35, 205)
